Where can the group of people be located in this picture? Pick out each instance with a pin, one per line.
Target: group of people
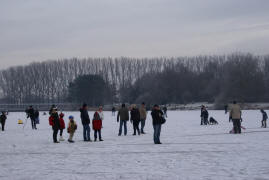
(57, 122)
(235, 117)
(140, 115)
(33, 114)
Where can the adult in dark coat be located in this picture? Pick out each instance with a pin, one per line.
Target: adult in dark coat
(135, 119)
(31, 114)
(204, 116)
(3, 119)
(85, 120)
(264, 118)
(157, 116)
(54, 117)
(123, 117)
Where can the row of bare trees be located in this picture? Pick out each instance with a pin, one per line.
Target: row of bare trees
(155, 80)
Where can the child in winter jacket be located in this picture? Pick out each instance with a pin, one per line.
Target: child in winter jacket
(97, 123)
(72, 127)
(62, 126)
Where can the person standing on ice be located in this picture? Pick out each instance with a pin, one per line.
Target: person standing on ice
(31, 113)
(165, 111)
(135, 119)
(37, 116)
(97, 123)
(143, 117)
(72, 127)
(204, 116)
(123, 117)
(62, 126)
(113, 111)
(55, 123)
(3, 119)
(157, 121)
(85, 120)
(264, 118)
(235, 116)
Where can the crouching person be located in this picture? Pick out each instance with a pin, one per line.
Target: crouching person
(72, 127)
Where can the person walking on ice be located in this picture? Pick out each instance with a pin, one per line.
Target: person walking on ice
(235, 116)
(264, 118)
(72, 127)
(123, 117)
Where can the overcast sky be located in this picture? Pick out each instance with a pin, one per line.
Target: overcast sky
(37, 30)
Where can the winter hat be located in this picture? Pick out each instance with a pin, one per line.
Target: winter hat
(84, 105)
(62, 115)
(71, 117)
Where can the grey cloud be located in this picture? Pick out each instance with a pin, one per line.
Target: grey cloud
(35, 30)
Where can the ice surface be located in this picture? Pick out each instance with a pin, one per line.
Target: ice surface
(189, 151)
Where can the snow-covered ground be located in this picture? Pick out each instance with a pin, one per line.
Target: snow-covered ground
(189, 151)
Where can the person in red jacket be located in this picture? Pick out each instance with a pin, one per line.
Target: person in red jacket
(97, 124)
(62, 126)
(55, 123)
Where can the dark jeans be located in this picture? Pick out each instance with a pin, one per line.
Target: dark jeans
(136, 128)
(33, 123)
(157, 132)
(61, 132)
(143, 122)
(123, 123)
(99, 133)
(55, 132)
(86, 132)
(264, 125)
(237, 126)
(3, 125)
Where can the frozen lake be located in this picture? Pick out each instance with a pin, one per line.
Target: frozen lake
(189, 151)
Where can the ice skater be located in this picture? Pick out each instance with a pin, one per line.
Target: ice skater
(264, 118)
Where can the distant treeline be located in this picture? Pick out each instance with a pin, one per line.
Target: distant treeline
(244, 77)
